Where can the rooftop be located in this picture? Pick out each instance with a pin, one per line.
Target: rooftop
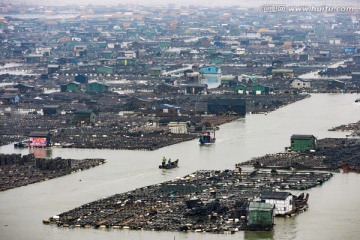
(275, 195)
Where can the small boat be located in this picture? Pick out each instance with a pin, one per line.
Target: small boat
(170, 165)
(67, 145)
(22, 144)
(207, 138)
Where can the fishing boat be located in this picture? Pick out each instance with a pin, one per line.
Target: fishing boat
(207, 138)
(22, 144)
(67, 145)
(169, 165)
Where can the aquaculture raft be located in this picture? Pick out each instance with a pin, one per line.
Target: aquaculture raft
(205, 201)
(17, 170)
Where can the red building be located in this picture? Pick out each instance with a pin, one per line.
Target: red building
(40, 139)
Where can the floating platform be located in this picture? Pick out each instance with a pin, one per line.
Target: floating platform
(204, 201)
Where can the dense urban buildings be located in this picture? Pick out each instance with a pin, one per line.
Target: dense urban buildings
(132, 77)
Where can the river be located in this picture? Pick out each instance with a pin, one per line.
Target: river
(334, 208)
(315, 75)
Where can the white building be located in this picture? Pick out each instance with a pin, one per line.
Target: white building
(335, 41)
(284, 202)
(240, 51)
(178, 127)
(300, 83)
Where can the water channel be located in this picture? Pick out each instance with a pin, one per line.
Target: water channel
(334, 208)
